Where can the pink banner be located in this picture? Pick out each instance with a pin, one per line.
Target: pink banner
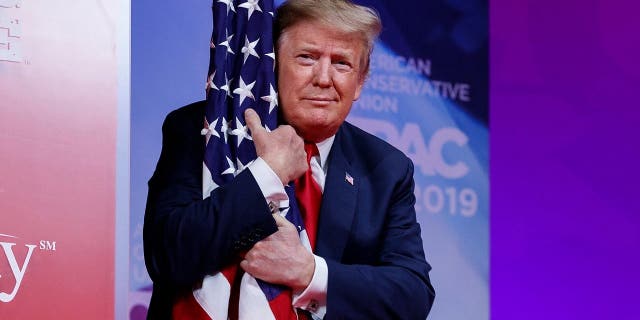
(57, 159)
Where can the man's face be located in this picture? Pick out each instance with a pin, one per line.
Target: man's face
(319, 77)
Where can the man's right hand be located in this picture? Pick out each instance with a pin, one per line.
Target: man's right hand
(282, 149)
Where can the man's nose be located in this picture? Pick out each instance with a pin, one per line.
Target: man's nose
(323, 73)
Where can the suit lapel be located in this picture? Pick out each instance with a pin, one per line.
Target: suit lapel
(338, 202)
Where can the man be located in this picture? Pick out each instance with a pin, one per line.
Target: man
(368, 261)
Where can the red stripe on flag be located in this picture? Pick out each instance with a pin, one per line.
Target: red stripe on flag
(230, 272)
(186, 307)
(282, 308)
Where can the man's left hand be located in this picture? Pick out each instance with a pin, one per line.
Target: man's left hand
(281, 258)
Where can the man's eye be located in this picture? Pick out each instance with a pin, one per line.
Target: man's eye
(305, 59)
(343, 65)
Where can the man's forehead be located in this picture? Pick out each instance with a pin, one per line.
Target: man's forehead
(309, 28)
(322, 38)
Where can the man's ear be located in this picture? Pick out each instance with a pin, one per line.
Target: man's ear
(361, 80)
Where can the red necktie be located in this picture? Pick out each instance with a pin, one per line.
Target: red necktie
(309, 196)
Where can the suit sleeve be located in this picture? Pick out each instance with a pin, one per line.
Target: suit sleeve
(395, 284)
(186, 237)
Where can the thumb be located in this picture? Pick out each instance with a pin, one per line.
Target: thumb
(253, 122)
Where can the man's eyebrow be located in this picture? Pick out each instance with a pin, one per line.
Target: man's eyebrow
(308, 47)
(342, 53)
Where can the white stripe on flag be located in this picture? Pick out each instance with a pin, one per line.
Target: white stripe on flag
(213, 296)
(207, 182)
(304, 238)
(253, 303)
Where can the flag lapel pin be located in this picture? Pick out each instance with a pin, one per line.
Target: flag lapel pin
(348, 178)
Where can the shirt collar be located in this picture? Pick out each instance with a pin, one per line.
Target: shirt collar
(324, 147)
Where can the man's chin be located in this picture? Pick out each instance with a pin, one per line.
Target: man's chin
(317, 133)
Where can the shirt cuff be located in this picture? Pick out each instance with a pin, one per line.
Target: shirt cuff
(269, 183)
(314, 296)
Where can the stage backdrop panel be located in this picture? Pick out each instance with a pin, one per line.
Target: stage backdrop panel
(427, 95)
(57, 158)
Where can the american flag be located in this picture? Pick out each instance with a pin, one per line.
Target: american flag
(241, 75)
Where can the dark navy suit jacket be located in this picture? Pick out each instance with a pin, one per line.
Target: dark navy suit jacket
(367, 231)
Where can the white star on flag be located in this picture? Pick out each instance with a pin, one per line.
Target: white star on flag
(212, 128)
(209, 130)
(210, 83)
(229, 4)
(249, 48)
(240, 167)
(231, 169)
(227, 43)
(244, 90)
(251, 5)
(226, 86)
(240, 132)
(271, 55)
(224, 129)
(272, 98)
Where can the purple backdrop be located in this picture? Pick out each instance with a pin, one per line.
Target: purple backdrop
(565, 216)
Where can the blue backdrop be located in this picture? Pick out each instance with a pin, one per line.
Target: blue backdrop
(427, 95)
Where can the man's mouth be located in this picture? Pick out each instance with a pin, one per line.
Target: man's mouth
(320, 100)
